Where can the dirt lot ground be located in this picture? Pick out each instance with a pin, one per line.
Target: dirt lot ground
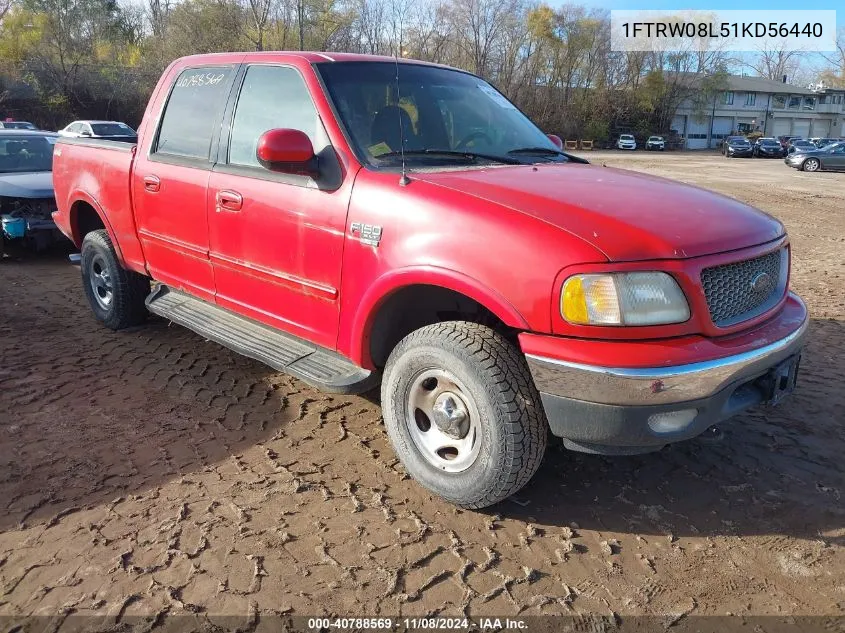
(150, 472)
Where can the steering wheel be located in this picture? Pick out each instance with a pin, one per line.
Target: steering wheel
(478, 134)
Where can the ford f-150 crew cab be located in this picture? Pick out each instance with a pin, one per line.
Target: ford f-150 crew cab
(349, 219)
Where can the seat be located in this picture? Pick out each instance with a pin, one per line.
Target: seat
(385, 128)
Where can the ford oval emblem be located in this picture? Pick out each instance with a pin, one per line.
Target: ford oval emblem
(762, 285)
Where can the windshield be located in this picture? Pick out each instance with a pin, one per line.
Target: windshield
(440, 110)
(626, 137)
(18, 125)
(830, 146)
(802, 144)
(655, 138)
(768, 141)
(737, 139)
(23, 154)
(112, 129)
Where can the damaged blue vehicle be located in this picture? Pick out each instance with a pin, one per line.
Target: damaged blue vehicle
(26, 190)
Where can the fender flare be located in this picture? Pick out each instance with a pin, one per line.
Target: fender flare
(81, 196)
(385, 286)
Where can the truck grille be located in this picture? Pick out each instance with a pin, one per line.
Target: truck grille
(743, 290)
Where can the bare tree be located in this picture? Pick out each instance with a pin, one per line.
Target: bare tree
(5, 5)
(157, 13)
(774, 63)
(836, 74)
(259, 13)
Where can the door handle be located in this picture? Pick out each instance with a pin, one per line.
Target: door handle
(229, 201)
(152, 183)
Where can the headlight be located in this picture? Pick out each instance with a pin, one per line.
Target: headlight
(642, 298)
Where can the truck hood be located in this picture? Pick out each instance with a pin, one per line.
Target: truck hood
(38, 184)
(628, 216)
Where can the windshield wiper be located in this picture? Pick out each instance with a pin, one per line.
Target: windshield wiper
(538, 150)
(469, 156)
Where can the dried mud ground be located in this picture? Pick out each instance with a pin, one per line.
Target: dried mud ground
(149, 472)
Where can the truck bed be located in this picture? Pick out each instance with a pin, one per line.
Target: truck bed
(97, 172)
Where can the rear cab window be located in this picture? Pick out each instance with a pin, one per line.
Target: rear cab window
(192, 115)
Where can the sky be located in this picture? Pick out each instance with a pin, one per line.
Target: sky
(813, 61)
(714, 4)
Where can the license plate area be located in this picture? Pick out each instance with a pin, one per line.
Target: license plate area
(779, 381)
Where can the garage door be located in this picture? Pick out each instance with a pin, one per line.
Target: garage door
(722, 127)
(781, 127)
(821, 128)
(801, 127)
(697, 133)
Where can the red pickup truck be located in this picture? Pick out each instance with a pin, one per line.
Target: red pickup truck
(351, 219)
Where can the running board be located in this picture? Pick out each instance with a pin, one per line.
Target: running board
(315, 365)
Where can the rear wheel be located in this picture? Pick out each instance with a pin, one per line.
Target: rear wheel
(115, 295)
(462, 413)
(811, 164)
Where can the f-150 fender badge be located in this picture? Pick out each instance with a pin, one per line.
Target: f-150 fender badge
(366, 233)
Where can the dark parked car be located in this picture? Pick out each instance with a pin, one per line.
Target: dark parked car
(831, 157)
(784, 140)
(26, 189)
(737, 147)
(768, 148)
(800, 144)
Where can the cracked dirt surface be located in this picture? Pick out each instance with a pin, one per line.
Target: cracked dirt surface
(149, 472)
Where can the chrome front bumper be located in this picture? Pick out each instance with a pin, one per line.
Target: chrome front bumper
(659, 385)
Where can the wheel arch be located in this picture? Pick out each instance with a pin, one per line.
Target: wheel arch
(85, 216)
(409, 298)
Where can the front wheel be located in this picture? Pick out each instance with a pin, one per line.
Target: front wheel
(462, 413)
(116, 295)
(811, 164)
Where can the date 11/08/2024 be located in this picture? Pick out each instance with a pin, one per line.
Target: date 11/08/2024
(417, 624)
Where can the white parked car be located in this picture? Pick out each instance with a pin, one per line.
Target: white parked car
(626, 141)
(17, 125)
(110, 130)
(655, 143)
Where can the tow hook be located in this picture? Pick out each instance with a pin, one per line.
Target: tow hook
(713, 434)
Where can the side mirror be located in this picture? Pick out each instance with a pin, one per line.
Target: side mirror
(554, 138)
(85, 133)
(287, 151)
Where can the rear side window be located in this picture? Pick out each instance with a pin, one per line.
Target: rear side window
(193, 111)
(271, 97)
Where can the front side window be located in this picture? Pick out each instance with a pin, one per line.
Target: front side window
(270, 97)
(438, 115)
(193, 110)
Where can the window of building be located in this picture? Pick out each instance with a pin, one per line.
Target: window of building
(271, 97)
(809, 103)
(822, 99)
(727, 98)
(750, 98)
(779, 102)
(193, 110)
(794, 103)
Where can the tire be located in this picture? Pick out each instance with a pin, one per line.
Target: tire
(115, 295)
(811, 165)
(505, 429)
